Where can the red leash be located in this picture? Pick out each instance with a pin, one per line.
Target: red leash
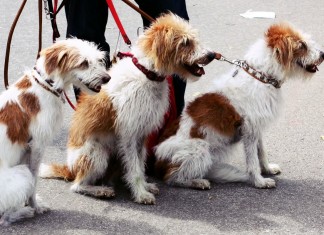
(117, 20)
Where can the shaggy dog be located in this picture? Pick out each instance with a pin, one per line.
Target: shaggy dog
(116, 122)
(31, 114)
(239, 106)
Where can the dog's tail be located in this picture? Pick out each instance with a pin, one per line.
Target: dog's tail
(17, 185)
(55, 171)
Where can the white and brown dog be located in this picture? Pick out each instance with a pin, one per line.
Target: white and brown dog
(239, 106)
(31, 114)
(116, 122)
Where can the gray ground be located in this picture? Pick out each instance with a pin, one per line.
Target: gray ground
(296, 206)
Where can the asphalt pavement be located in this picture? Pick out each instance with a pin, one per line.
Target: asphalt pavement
(294, 141)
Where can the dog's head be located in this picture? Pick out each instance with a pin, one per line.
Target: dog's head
(297, 54)
(75, 61)
(173, 47)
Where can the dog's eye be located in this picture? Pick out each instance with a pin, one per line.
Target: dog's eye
(186, 42)
(84, 64)
(303, 45)
(102, 61)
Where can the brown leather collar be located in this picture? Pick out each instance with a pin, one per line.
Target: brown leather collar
(57, 93)
(260, 76)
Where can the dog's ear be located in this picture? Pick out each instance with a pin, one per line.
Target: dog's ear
(62, 58)
(285, 42)
(284, 51)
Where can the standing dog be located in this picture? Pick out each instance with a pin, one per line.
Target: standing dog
(31, 114)
(238, 108)
(116, 122)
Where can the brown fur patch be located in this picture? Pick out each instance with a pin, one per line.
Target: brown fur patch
(215, 111)
(287, 43)
(62, 171)
(164, 169)
(81, 168)
(30, 103)
(95, 114)
(195, 133)
(24, 83)
(17, 123)
(17, 120)
(63, 58)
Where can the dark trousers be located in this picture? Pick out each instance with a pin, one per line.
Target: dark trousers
(155, 8)
(87, 20)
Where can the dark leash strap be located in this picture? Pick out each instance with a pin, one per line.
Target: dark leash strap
(12, 29)
(143, 13)
(40, 28)
(51, 13)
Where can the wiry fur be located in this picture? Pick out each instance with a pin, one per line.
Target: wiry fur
(30, 116)
(115, 123)
(237, 109)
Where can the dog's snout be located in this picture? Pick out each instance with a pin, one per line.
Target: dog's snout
(211, 56)
(105, 79)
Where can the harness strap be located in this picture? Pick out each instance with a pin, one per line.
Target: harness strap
(148, 73)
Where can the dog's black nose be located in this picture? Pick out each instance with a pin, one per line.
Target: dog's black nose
(105, 79)
(322, 55)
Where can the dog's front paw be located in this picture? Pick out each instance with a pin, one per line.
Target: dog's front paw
(272, 169)
(200, 184)
(106, 192)
(41, 209)
(12, 216)
(152, 188)
(265, 183)
(4, 222)
(145, 198)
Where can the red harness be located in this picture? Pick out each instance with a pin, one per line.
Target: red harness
(148, 73)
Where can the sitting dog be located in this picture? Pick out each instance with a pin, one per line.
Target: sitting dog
(115, 123)
(31, 114)
(239, 106)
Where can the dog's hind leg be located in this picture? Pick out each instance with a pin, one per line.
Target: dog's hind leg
(253, 164)
(15, 215)
(90, 166)
(266, 167)
(187, 166)
(223, 172)
(34, 155)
